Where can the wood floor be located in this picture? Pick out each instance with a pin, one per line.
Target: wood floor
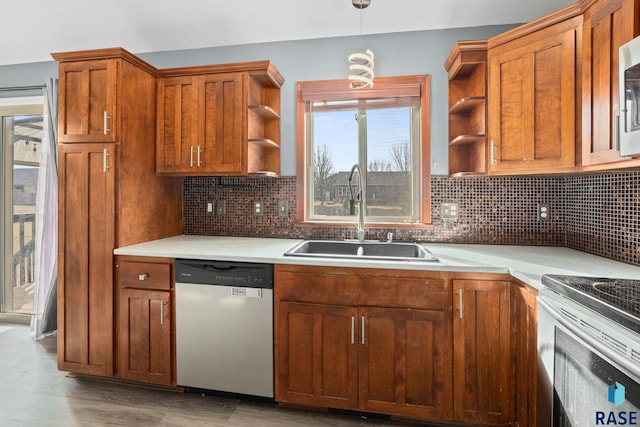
(33, 393)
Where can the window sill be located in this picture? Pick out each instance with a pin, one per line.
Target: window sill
(373, 225)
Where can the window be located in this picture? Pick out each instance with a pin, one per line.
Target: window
(385, 130)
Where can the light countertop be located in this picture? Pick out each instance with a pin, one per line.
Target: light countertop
(526, 263)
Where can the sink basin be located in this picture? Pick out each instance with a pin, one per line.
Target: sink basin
(353, 249)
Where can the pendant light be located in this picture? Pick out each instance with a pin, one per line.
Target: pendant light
(361, 64)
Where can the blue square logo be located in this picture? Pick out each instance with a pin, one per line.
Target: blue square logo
(616, 394)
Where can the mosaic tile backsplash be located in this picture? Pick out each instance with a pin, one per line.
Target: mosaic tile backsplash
(599, 214)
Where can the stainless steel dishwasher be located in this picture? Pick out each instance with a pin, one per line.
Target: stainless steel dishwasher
(224, 326)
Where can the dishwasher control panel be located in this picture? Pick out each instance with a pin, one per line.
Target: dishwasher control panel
(242, 274)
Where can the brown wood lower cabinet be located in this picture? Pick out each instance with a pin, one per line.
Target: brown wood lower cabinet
(145, 322)
(524, 347)
(401, 361)
(390, 355)
(482, 352)
(319, 361)
(440, 346)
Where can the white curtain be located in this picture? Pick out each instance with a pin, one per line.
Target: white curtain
(44, 320)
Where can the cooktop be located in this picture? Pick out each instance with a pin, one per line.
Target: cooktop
(617, 299)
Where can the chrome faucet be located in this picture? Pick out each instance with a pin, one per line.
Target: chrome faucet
(360, 197)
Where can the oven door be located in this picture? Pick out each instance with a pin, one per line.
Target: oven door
(588, 373)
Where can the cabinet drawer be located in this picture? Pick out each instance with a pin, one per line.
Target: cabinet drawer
(145, 275)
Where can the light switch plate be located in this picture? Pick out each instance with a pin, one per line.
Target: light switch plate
(283, 208)
(221, 207)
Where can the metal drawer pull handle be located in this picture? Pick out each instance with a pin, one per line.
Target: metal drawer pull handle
(143, 276)
(493, 152)
(460, 303)
(105, 162)
(362, 329)
(162, 312)
(191, 161)
(353, 329)
(199, 162)
(105, 125)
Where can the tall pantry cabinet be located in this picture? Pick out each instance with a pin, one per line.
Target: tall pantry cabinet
(109, 194)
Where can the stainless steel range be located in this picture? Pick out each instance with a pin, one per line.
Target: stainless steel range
(589, 347)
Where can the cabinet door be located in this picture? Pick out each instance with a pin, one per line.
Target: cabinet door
(144, 336)
(608, 24)
(482, 369)
(532, 102)
(405, 362)
(524, 335)
(316, 355)
(177, 125)
(86, 241)
(223, 145)
(87, 101)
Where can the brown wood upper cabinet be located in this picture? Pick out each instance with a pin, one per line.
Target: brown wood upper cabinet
(608, 24)
(88, 111)
(219, 120)
(532, 92)
(552, 94)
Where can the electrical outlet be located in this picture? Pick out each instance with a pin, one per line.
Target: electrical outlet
(211, 208)
(283, 208)
(449, 211)
(544, 212)
(221, 207)
(258, 208)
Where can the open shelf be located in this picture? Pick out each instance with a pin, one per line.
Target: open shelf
(264, 142)
(264, 111)
(467, 104)
(466, 68)
(466, 139)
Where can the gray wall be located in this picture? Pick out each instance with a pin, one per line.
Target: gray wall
(419, 52)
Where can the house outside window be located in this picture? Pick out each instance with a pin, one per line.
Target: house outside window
(385, 130)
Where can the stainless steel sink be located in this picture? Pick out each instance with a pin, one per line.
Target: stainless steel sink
(353, 249)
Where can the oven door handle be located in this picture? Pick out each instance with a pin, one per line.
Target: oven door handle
(628, 366)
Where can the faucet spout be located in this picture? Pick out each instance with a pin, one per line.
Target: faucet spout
(359, 198)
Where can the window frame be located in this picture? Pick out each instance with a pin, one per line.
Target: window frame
(384, 87)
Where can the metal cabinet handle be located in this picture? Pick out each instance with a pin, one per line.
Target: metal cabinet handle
(142, 277)
(199, 162)
(353, 329)
(105, 124)
(162, 312)
(191, 160)
(616, 137)
(105, 163)
(460, 303)
(362, 329)
(493, 152)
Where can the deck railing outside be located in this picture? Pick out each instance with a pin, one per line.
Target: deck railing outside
(23, 262)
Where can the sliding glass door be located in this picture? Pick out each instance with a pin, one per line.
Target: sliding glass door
(21, 123)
